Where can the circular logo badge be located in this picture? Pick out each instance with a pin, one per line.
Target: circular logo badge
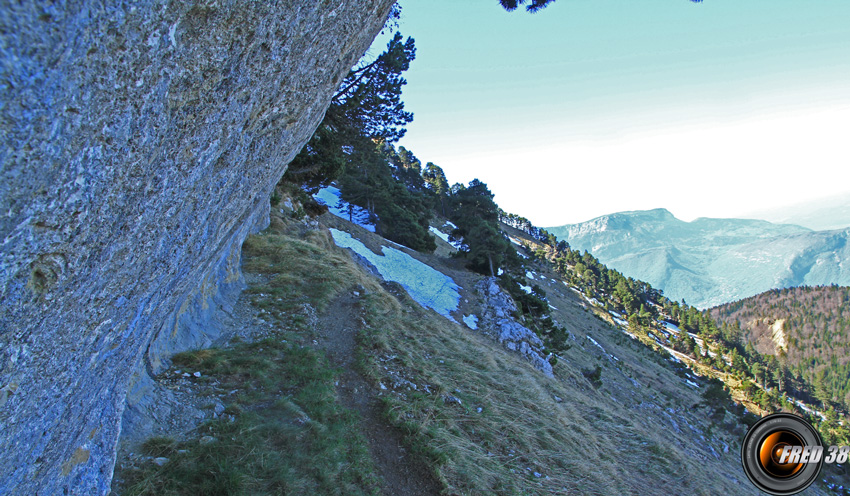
(782, 454)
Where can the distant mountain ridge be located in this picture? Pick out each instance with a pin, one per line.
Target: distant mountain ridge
(712, 261)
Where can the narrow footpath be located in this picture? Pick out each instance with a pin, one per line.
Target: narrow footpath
(401, 472)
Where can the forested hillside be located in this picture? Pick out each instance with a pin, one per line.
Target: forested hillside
(807, 329)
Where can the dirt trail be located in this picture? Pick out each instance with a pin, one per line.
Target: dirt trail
(402, 473)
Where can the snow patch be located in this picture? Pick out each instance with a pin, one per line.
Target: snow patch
(529, 275)
(439, 234)
(331, 197)
(445, 237)
(597, 344)
(808, 410)
(471, 321)
(527, 289)
(671, 327)
(429, 287)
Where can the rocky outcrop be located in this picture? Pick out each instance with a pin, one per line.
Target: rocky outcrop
(140, 142)
(497, 319)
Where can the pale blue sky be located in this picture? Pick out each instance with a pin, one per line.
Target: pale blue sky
(596, 106)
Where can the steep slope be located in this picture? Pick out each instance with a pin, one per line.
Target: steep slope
(711, 261)
(808, 326)
(614, 417)
(141, 141)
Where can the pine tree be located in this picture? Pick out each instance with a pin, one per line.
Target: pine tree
(435, 181)
(476, 216)
(367, 108)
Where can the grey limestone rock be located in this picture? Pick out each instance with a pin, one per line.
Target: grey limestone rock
(139, 143)
(497, 319)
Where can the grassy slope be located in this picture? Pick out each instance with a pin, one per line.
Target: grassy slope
(634, 432)
(614, 439)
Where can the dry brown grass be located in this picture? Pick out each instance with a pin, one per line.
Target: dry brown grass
(619, 438)
(593, 442)
(533, 434)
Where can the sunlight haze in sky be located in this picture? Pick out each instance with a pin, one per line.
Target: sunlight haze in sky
(708, 109)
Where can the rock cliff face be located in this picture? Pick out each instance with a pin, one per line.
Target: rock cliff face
(140, 142)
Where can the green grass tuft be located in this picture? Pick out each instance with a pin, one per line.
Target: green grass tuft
(290, 435)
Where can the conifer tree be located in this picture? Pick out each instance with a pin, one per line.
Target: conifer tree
(435, 181)
(367, 108)
(476, 216)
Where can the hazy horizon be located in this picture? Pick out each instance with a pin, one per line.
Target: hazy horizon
(793, 213)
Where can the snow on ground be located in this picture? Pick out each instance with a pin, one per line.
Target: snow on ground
(529, 275)
(523, 255)
(691, 383)
(671, 327)
(440, 234)
(601, 348)
(552, 307)
(429, 287)
(445, 237)
(597, 344)
(471, 321)
(592, 301)
(449, 224)
(527, 289)
(808, 410)
(330, 196)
